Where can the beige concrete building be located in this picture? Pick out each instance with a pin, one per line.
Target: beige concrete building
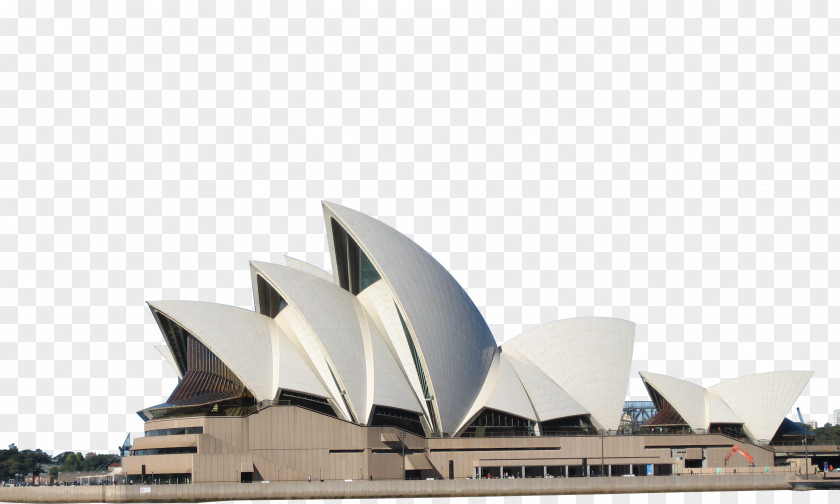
(283, 443)
(386, 369)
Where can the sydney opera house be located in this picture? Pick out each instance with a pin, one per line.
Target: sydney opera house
(385, 369)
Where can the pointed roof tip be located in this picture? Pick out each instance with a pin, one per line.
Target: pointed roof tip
(777, 372)
(330, 204)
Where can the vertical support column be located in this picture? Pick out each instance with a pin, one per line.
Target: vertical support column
(523, 472)
(545, 471)
(565, 471)
(480, 474)
(609, 469)
(502, 472)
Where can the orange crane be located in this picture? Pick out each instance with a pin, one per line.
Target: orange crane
(742, 452)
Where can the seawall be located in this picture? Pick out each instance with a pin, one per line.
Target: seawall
(199, 492)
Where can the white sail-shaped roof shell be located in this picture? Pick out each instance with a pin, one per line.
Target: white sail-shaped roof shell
(455, 344)
(294, 372)
(509, 395)
(241, 338)
(342, 336)
(759, 402)
(391, 387)
(687, 398)
(719, 412)
(588, 357)
(549, 400)
(337, 338)
(378, 301)
(503, 391)
(305, 267)
(762, 400)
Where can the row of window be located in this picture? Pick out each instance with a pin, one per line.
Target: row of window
(177, 431)
(166, 451)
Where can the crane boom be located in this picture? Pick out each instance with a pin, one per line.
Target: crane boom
(742, 452)
(801, 420)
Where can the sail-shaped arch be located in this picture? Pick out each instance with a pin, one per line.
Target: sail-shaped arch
(451, 346)
(588, 357)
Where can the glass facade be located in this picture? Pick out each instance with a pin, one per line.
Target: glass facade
(356, 272)
(166, 451)
(311, 402)
(415, 356)
(666, 419)
(367, 272)
(175, 432)
(493, 423)
(394, 417)
(208, 386)
(735, 430)
(271, 302)
(421, 374)
(568, 426)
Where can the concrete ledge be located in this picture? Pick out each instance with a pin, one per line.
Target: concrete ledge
(199, 492)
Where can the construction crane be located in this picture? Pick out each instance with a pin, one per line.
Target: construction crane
(801, 420)
(742, 452)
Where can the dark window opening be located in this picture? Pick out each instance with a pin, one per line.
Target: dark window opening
(205, 373)
(421, 374)
(175, 431)
(693, 463)
(394, 417)
(568, 426)
(208, 386)
(356, 272)
(175, 336)
(494, 423)
(166, 451)
(240, 406)
(367, 272)
(728, 429)
(310, 402)
(666, 420)
(415, 356)
(159, 479)
(271, 302)
(342, 391)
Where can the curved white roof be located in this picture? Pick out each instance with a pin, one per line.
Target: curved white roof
(687, 398)
(455, 344)
(241, 338)
(378, 301)
(304, 266)
(390, 385)
(549, 400)
(759, 402)
(588, 357)
(509, 395)
(762, 400)
(293, 371)
(413, 319)
(330, 312)
(719, 412)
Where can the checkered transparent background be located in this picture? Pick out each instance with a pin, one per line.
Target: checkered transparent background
(668, 164)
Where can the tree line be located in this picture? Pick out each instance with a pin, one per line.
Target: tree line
(827, 435)
(17, 464)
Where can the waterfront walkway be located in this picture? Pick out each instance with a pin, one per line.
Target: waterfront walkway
(199, 492)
